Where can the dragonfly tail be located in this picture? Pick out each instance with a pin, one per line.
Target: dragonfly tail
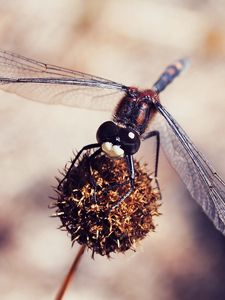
(170, 73)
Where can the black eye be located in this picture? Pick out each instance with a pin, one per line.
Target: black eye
(130, 141)
(107, 132)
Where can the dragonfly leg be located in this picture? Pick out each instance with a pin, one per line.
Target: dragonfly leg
(130, 166)
(156, 134)
(85, 148)
(92, 180)
(115, 185)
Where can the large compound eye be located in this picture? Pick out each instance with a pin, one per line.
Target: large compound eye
(107, 132)
(129, 140)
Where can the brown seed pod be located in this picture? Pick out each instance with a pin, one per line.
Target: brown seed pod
(85, 200)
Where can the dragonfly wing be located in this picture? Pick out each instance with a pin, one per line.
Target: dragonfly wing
(54, 85)
(203, 183)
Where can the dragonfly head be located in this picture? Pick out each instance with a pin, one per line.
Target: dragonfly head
(117, 141)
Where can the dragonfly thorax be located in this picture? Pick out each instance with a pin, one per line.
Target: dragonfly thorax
(117, 141)
(135, 109)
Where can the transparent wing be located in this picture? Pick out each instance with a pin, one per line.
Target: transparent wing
(203, 183)
(54, 85)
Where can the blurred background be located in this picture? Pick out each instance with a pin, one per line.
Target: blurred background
(129, 42)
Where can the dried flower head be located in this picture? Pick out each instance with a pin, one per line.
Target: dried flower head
(85, 200)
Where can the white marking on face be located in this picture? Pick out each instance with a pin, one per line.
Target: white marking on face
(131, 135)
(106, 147)
(112, 151)
(117, 151)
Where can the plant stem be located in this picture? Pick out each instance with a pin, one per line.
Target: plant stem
(70, 274)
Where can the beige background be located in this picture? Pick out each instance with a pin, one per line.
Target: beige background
(129, 42)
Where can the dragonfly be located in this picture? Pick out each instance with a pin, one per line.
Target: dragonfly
(136, 111)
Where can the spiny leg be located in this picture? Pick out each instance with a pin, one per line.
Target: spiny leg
(156, 134)
(90, 161)
(85, 148)
(131, 170)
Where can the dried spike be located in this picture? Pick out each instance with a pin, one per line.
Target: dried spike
(57, 214)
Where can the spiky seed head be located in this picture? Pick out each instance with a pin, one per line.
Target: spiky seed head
(85, 199)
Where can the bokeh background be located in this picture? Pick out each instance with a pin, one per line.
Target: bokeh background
(129, 42)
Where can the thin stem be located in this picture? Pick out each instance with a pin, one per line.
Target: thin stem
(70, 274)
